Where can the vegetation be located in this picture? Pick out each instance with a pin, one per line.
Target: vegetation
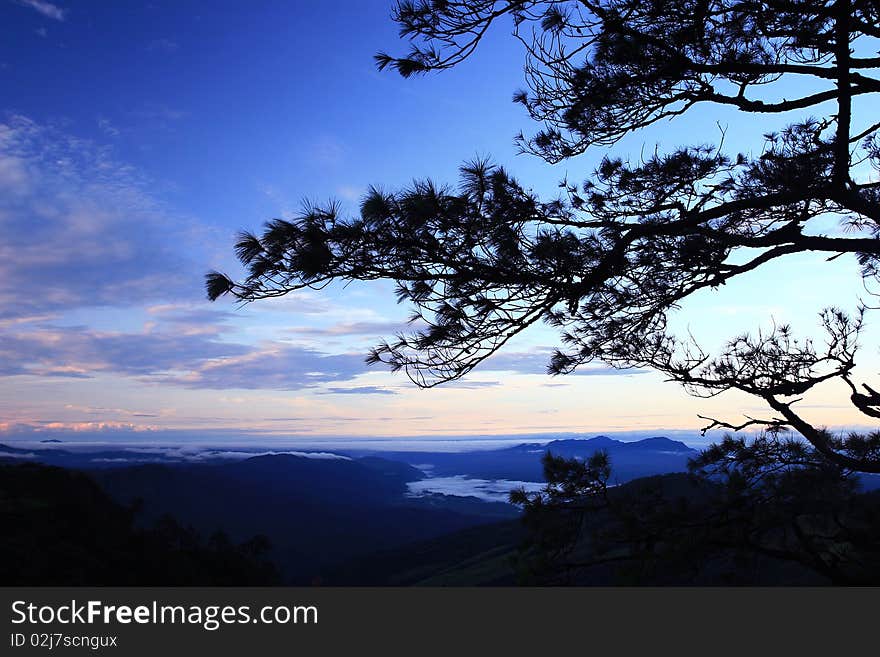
(767, 511)
(612, 259)
(61, 529)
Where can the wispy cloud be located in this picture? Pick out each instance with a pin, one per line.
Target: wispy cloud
(107, 127)
(18, 321)
(464, 384)
(199, 454)
(189, 319)
(276, 366)
(80, 228)
(99, 410)
(192, 360)
(81, 352)
(350, 328)
(360, 390)
(489, 490)
(537, 360)
(350, 192)
(45, 8)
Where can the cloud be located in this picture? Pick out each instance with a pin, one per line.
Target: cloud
(81, 352)
(45, 8)
(192, 360)
(351, 192)
(301, 302)
(350, 328)
(13, 172)
(79, 228)
(489, 490)
(464, 384)
(190, 319)
(197, 454)
(536, 361)
(277, 366)
(95, 428)
(99, 410)
(28, 319)
(359, 390)
(107, 127)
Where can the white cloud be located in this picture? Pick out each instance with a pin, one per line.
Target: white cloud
(45, 8)
(231, 454)
(192, 359)
(537, 360)
(81, 229)
(489, 490)
(350, 192)
(107, 127)
(196, 455)
(14, 178)
(378, 328)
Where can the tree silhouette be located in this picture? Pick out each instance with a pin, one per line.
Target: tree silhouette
(611, 259)
(61, 529)
(769, 510)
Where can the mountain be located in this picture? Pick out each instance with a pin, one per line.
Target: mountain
(315, 512)
(521, 462)
(499, 554)
(82, 458)
(321, 510)
(629, 460)
(61, 529)
(477, 556)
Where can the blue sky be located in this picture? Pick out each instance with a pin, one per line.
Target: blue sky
(137, 138)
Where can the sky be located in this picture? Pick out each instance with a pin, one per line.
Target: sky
(137, 138)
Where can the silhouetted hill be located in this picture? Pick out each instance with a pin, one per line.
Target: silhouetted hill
(520, 463)
(402, 471)
(339, 481)
(315, 512)
(491, 555)
(476, 556)
(630, 460)
(60, 528)
(487, 555)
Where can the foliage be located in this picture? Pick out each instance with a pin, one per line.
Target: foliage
(609, 261)
(61, 529)
(768, 510)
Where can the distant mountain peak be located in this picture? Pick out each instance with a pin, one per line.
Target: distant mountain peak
(595, 441)
(662, 442)
(579, 445)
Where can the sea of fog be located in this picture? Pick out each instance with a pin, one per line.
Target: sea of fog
(119, 448)
(488, 490)
(264, 442)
